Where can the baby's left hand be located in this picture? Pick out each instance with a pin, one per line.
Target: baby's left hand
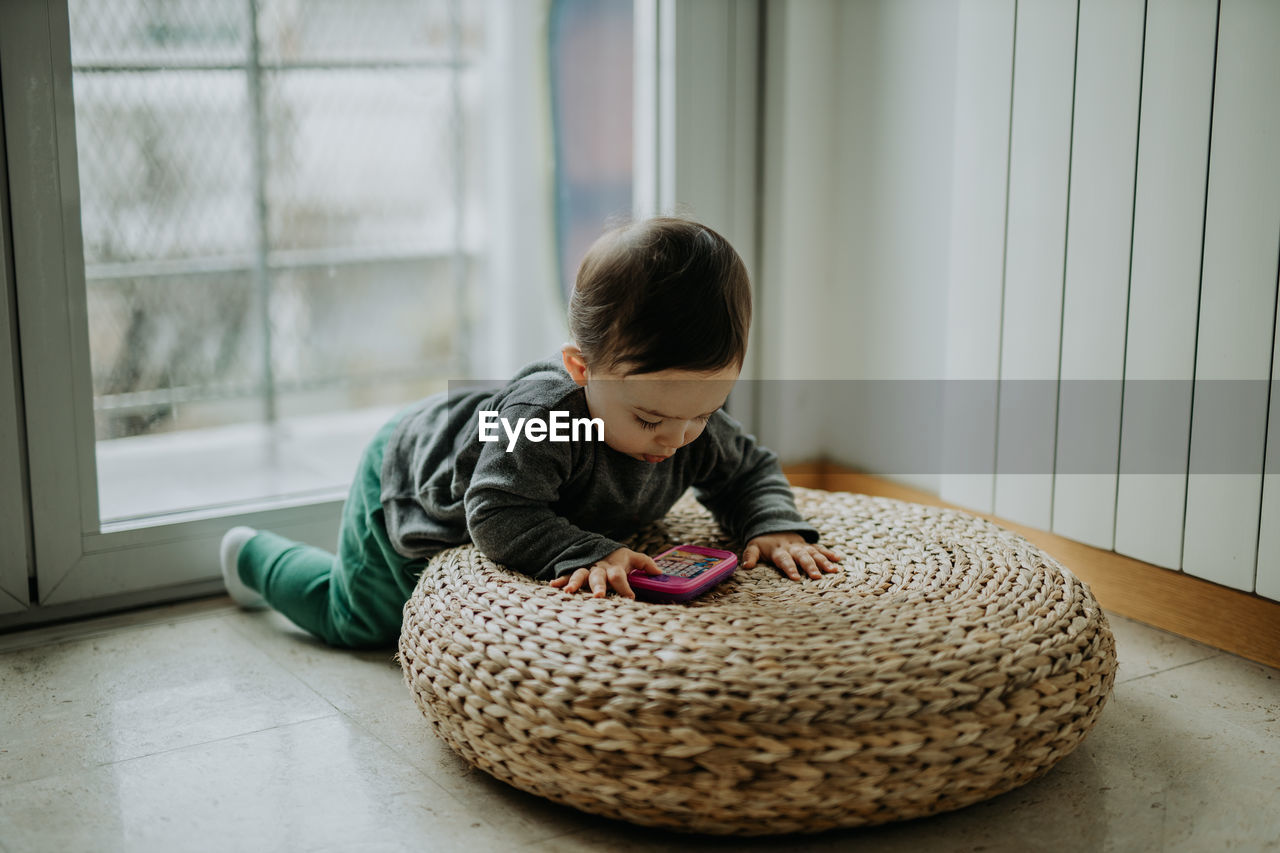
(785, 550)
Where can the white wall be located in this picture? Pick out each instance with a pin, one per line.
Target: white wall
(894, 100)
(522, 318)
(797, 226)
(859, 115)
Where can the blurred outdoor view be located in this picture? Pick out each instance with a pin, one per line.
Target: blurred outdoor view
(283, 221)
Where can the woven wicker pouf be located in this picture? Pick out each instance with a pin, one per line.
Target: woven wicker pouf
(948, 662)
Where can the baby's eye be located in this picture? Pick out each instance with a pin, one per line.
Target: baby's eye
(647, 424)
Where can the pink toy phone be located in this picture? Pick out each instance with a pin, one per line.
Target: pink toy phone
(687, 571)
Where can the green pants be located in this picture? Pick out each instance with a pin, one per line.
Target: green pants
(354, 599)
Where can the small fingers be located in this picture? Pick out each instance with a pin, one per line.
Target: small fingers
(827, 565)
(784, 561)
(618, 580)
(572, 582)
(750, 556)
(599, 578)
(808, 564)
(828, 553)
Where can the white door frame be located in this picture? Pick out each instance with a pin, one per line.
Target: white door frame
(697, 128)
(80, 568)
(15, 553)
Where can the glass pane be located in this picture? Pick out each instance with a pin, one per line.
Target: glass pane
(592, 45)
(162, 344)
(323, 324)
(360, 158)
(284, 219)
(163, 171)
(340, 31)
(158, 32)
(281, 216)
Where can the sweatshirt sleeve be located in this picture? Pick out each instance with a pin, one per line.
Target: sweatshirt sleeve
(510, 515)
(743, 486)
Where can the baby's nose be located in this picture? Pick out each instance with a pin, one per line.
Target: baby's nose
(676, 438)
(672, 440)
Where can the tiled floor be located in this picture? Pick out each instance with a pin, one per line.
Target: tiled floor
(201, 727)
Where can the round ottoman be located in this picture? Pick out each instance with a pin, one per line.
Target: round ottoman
(948, 662)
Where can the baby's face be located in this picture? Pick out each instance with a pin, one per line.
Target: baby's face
(651, 416)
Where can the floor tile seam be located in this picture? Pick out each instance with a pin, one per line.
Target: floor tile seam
(542, 841)
(97, 633)
(1226, 726)
(237, 626)
(1153, 673)
(465, 806)
(1274, 671)
(374, 733)
(264, 650)
(1215, 652)
(341, 712)
(441, 784)
(446, 789)
(283, 664)
(187, 746)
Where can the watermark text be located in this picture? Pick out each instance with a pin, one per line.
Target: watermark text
(558, 427)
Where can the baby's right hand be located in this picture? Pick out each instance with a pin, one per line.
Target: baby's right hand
(608, 571)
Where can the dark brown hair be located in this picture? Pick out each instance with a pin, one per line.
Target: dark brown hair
(659, 294)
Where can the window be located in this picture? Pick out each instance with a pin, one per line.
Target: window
(236, 234)
(280, 220)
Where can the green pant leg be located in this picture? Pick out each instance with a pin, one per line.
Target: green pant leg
(293, 578)
(371, 581)
(355, 600)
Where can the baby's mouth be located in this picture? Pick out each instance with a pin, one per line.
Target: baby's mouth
(649, 457)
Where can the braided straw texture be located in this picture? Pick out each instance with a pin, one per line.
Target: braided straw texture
(948, 662)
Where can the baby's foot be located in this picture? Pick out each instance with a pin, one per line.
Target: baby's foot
(232, 541)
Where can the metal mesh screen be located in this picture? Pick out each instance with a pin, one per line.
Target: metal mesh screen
(273, 200)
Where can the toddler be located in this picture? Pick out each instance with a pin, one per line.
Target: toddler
(659, 318)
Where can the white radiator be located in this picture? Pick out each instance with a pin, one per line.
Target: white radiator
(1115, 242)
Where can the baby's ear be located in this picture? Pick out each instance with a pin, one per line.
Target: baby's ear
(574, 363)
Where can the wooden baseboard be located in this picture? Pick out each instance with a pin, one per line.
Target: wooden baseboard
(1237, 622)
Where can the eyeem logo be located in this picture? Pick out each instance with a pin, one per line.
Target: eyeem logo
(559, 428)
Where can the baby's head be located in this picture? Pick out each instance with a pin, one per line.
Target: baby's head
(661, 294)
(659, 317)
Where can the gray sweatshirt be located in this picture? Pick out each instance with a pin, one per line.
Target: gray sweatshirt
(547, 508)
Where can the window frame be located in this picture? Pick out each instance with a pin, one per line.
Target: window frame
(699, 101)
(15, 560)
